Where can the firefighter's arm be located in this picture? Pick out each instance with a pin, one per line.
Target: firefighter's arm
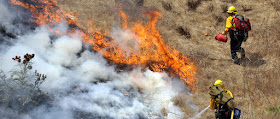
(228, 25)
(231, 95)
(212, 104)
(232, 112)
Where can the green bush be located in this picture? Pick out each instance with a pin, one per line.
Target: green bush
(273, 110)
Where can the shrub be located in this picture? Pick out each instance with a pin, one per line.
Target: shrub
(21, 89)
(273, 110)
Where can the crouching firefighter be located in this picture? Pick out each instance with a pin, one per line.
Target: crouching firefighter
(238, 27)
(222, 101)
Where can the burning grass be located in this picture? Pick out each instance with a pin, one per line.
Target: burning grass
(152, 51)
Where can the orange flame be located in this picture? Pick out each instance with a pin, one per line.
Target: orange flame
(123, 15)
(153, 52)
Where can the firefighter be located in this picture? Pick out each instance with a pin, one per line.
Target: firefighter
(236, 38)
(222, 111)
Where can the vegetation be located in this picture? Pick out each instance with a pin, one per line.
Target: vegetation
(273, 110)
(21, 89)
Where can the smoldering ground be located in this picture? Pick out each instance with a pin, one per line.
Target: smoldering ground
(77, 86)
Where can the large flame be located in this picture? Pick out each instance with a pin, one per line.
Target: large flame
(152, 52)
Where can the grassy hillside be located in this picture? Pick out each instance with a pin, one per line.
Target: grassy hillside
(254, 83)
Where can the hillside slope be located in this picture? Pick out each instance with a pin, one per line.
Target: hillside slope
(254, 83)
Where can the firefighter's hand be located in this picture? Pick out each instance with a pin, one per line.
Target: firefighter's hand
(224, 33)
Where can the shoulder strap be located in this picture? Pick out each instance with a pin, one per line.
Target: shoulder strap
(236, 15)
(220, 93)
(228, 101)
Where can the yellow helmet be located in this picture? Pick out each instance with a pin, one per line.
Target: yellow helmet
(232, 9)
(219, 83)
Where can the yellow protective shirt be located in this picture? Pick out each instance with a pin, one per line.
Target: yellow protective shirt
(229, 24)
(213, 102)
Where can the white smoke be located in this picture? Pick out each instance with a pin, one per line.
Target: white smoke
(85, 86)
(5, 16)
(126, 39)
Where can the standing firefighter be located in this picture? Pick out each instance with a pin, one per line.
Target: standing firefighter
(238, 27)
(223, 102)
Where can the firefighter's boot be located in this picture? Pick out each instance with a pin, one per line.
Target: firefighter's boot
(242, 51)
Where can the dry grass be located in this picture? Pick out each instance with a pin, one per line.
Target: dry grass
(254, 83)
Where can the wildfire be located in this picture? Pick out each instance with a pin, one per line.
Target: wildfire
(153, 52)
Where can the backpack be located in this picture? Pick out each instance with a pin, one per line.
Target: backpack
(218, 94)
(241, 23)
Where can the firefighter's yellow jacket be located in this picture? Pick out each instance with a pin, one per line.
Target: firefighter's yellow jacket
(213, 102)
(229, 24)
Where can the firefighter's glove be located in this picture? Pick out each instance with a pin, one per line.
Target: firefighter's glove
(224, 33)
